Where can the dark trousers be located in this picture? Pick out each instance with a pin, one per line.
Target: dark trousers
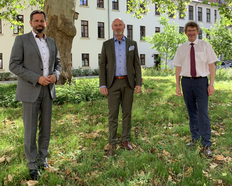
(196, 100)
(120, 93)
(42, 107)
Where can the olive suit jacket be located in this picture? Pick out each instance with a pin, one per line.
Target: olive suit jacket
(108, 64)
(26, 63)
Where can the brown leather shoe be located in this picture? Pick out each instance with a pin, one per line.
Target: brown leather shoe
(111, 150)
(192, 142)
(127, 145)
(207, 152)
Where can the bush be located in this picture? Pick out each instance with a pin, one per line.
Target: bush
(95, 72)
(77, 72)
(86, 72)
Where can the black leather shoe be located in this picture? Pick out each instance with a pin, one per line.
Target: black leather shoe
(35, 174)
(207, 152)
(44, 166)
(192, 142)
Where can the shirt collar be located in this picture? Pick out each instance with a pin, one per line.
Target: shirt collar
(123, 39)
(35, 35)
(195, 42)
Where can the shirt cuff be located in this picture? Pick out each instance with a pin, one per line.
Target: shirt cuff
(102, 86)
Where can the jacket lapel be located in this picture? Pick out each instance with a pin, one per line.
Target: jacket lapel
(113, 49)
(34, 44)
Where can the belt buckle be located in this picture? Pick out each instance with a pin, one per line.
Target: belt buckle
(119, 77)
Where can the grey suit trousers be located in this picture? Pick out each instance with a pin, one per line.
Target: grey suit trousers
(120, 93)
(42, 107)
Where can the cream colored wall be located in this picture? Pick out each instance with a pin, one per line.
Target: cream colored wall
(93, 45)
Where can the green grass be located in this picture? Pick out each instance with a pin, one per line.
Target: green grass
(159, 131)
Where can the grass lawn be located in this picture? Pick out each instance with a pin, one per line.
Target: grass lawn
(159, 134)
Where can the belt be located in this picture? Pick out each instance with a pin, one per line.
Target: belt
(193, 77)
(120, 77)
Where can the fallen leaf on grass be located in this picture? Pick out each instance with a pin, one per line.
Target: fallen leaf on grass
(10, 178)
(224, 174)
(32, 183)
(188, 172)
(3, 158)
(107, 147)
(213, 165)
(219, 158)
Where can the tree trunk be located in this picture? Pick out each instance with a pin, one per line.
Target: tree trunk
(60, 17)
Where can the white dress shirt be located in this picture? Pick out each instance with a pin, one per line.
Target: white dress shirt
(204, 55)
(44, 52)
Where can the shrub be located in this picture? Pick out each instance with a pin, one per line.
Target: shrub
(86, 72)
(77, 72)
(95, 72)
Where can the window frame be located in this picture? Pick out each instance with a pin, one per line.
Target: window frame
(200, 34)
(142, 32)
(130, 32)
(156, 10)
(100, 3)
(215, 16)
(157, 29)
(208, 14)
(142, 58)
(181, 29)
(18, 28)
(199, 14)
(1, 58)
(82, 2)
(115, 4)
(101, 29)
(83, 27)
(83, 59)
(191, 13)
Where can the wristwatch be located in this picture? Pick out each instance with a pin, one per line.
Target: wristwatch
(212, 84)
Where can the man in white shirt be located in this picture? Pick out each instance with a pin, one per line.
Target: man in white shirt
(194, 61)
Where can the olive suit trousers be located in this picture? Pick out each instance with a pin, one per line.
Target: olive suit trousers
(120, 93)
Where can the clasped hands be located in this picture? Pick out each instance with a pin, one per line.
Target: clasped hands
(47, 80)
(210, 90)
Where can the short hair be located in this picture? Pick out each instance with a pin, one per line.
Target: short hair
(37, 12)
(191, 24)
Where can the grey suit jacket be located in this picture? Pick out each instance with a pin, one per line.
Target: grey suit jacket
(26, 63)
(108, 63)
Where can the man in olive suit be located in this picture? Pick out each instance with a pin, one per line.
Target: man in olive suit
(35, 60)
(120, 75)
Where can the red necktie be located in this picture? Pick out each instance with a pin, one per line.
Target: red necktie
(192, 61)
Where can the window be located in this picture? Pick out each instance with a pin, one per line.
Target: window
(200, 34)
(84, 29)
(215, 16)
(142, 6)
(190, 12)
(84, 2)
(85, 60)
(199, 14)
(208, 36)
(156, 10)
(101, 30)
(142, 32)
(99, 59)
(142, 59)
(130, 31)
(100, 3)
(127, 7)
(18, 28)
(181, 29)
(171, 15)
(207, 15)
(0, 25)
(181, 15)
(115, 4)
(1, 62)
(157, 29)
(156, 61)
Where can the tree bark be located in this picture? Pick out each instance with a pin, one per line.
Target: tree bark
(60, 17)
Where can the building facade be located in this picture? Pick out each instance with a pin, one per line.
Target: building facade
(94, 27)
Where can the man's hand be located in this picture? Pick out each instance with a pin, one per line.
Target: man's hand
(137, 89)
(43, 81)
(104, 91)
(211, 90)
(178, 91)
(52, 78)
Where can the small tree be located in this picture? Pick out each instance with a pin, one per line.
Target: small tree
(167, 41)
(220, 37)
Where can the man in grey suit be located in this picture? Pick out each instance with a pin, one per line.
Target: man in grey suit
(35, 60)
(120, 74)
